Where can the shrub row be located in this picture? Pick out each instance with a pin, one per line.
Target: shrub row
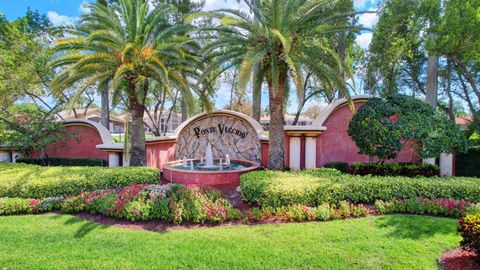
(386, 169)
(31, 181)
(311, 188)
(175, 203)
(422, 206)
(55, 161)
(469, 228)
(323, 212)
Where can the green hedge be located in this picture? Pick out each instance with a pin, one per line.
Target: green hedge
(31, 181)
(468, 164)
(395, 169)
(276, 189)
(55, 161)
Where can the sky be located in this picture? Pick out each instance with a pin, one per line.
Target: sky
(61, 12)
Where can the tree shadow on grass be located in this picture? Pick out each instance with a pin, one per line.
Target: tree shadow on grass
(85, 227)
(415, 227)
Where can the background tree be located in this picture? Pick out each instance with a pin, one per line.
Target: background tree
(130, 45)
(280, 39)
(30, 131)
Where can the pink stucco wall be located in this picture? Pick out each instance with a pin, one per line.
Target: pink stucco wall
(83, 145)
(160, 152)
(334, 144)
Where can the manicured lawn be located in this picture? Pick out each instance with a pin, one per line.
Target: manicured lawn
(55, 241)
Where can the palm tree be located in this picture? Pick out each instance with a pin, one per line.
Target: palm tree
(128, 44)
(283, 37)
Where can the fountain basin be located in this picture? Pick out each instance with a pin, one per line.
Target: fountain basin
(175, 172)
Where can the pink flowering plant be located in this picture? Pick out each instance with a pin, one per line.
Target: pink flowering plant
(175, 203)
(422, 206)
(15, 206)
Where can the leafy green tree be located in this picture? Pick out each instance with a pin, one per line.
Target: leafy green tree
(383, 127)
(31, 131)
(24, 53)
(282, 37)
(458, 40)
(128, 44)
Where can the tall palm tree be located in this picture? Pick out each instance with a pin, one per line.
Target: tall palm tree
(129, 44)
(283, 37)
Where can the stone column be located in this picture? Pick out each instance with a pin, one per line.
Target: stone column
(114, 159)
(310, 152)
(446, 164)
(295, 148)
(5, 156)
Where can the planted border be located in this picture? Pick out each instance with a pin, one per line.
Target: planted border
(312, 188)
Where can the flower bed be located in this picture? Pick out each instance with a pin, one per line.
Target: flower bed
(175, 203)
(31, 181)
(312, 188)
(422, 206)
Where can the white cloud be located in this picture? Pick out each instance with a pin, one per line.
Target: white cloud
(83, 9)
(360, 3)
(364, 40)
(231, 4)
(59, 20)
(368, 20)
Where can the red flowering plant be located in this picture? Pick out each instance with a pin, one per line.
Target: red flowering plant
(422, 206)
(196, 204)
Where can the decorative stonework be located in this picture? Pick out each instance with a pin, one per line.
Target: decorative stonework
(227, 134)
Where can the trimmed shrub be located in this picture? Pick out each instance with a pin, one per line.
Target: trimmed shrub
(469, 228)
(323, 212)
(395, 169)
(31, 181)
(468, 164)
(341, 166)
(312, 188)
(69, 162)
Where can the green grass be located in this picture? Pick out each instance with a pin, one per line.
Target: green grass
(55, 241)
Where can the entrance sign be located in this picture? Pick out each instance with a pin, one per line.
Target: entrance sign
(227, 133)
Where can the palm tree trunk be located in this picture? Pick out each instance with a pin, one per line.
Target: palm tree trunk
(276, 130)
(105, 121)
(257, 93)
(138, 153)
(432, 80)
(342, 52)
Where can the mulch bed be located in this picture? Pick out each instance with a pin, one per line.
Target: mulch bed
(459, 259)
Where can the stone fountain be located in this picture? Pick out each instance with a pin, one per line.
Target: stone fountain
(207, 170)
